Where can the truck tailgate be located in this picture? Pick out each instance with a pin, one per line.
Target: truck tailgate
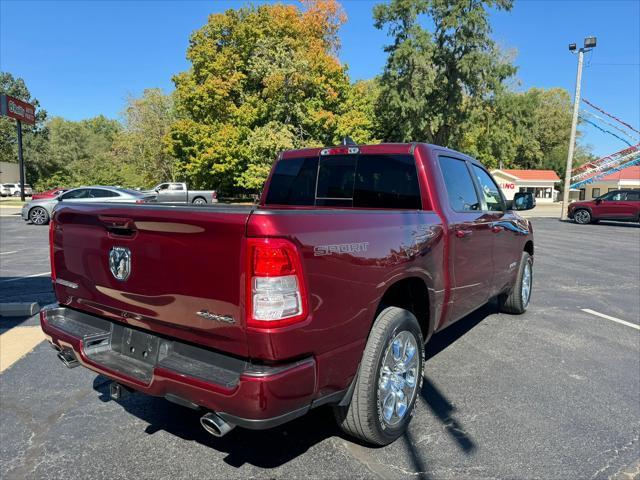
(185, 268)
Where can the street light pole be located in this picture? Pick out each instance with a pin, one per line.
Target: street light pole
(589, 43)
(572, 138)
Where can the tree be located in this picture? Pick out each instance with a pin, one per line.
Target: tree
(433, 79)
(81, 153)
(140, 144)
(528, 130)
(34, 137)
(262, 79)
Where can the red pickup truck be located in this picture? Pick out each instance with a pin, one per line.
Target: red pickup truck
(324, 293)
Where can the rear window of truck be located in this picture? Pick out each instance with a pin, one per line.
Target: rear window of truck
(361, 181)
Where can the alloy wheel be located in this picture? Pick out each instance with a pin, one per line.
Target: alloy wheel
(398, 377)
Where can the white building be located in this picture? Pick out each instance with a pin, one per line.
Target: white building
(9, 172)
(542, 183)
(627, 178)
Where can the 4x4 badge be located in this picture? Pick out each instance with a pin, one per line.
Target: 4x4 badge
(120, 262)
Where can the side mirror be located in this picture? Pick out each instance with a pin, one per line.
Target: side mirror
(598, 201)
(524, 201)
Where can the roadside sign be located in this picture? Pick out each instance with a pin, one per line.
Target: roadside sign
(14, 108)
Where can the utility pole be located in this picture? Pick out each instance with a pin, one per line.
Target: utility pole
(589, 43)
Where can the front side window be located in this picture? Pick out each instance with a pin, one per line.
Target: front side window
(489, 189)
(460, 189)
(76, 194)
(613, 196)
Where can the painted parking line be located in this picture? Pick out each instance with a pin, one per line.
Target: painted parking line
(16, 343)
(613, 319)
(8, 253)
(26, 276)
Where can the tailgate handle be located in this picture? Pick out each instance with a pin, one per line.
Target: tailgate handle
(119, 226)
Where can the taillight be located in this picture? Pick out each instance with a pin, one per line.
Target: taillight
(340, 151)
(276, 294)
(214, 195)
(52, 227)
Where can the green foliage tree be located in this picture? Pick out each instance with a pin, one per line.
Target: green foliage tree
(34, 137)
(527, 130)
(434, 78)
(139, 146)
(263, 79)
(82, 153)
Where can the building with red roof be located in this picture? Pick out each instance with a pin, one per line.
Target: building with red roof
(542, 183)
(627, 178)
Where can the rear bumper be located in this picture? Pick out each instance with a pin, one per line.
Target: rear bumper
(243, 393)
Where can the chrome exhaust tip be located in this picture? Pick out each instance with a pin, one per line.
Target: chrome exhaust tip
(215, 424)
(68, 358)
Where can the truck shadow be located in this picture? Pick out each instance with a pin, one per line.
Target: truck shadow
(278, 446)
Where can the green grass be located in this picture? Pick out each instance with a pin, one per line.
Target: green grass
(11, 202)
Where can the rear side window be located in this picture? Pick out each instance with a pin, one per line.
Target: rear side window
(361, 181)
(101, 193)
(633, 196)
(460, 190)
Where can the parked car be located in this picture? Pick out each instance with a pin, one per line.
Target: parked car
(177, 192)
(54, 192)
(621, 205)
(39, 212)
(324, 293)
(13, 190)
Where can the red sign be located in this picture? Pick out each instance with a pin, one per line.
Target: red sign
(14, 108)
(508, 186)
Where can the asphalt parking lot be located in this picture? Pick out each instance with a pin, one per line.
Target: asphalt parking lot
(552, 394)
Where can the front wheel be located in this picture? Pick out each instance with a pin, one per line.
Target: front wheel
(388, 381)
(518, 300)
(582, 217)
(39, 216)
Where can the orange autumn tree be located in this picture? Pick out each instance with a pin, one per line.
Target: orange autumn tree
(263, 79)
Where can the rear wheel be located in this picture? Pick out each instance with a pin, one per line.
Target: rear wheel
(199, 201)
(582, 216)
(388, 381)
(39, 216)
(518, 300)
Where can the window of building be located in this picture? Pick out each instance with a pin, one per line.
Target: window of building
(460, 189)
(582, 194)
(595, 192)
(611, 190)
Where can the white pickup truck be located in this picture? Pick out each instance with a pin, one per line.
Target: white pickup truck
(177, 192)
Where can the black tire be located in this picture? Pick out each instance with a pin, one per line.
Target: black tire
(16, 194)
(518, 300)
(199, 201)
(363, 417)
(582, 216)
(39, 216)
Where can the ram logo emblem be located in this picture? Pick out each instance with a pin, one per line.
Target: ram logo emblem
(120, 263)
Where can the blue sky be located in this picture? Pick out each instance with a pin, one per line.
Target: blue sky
(81, 58)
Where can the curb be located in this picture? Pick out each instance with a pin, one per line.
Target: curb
(18, 309)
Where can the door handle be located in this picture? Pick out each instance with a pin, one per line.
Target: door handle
(463, 233)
